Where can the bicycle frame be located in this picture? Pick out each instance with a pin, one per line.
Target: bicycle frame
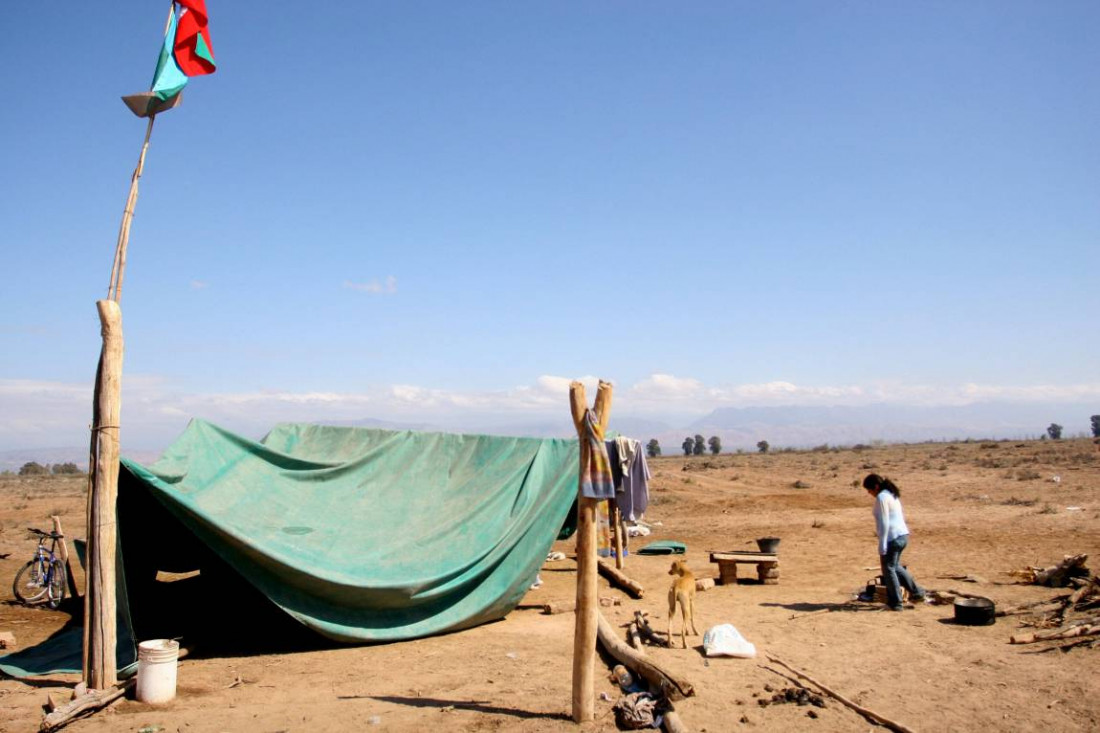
(44, 580)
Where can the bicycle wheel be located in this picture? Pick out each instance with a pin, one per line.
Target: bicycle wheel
(29, 586)
(56, 586)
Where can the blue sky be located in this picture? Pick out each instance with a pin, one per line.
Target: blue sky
(417, 211)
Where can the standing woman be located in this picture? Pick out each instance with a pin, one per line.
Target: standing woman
(893, 536)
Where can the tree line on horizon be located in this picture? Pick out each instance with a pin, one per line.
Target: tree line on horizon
(697, 445)
(34, 468)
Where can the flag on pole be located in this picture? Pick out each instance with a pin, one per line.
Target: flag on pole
(186, 52)
(194, 55)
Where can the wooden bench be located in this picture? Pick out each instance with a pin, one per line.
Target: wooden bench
(767, 566)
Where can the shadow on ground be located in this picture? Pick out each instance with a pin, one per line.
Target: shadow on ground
(474, 705)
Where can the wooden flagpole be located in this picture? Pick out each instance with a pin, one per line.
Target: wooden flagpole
(588, 612)
(100, 603)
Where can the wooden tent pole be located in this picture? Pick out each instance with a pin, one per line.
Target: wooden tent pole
(101, 667)
(587, 618)
(118, 268)
(100, 604)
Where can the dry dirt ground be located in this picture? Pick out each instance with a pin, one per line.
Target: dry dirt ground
(978, 509)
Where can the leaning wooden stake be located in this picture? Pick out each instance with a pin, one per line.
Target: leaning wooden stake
(865, 712)
(617, 524)
(64, 554)
(584, 634)
(100, 667)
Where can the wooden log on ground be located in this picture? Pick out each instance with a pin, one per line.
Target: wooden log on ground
(1063, 633)
(867, 713)
(619, 579)
(634, 636)
(660, 680)
(87, 703)
(1055, 576)
(672, 723)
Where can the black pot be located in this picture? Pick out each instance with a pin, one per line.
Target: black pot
(768, 544)
(975, 612)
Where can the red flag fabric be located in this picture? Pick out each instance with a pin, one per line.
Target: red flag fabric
(193, 51)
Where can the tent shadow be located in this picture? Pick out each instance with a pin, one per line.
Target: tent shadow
(473, 705)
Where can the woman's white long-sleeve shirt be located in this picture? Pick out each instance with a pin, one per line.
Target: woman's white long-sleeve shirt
(889, 519)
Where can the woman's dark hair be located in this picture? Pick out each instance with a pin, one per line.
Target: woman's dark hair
(877, 483)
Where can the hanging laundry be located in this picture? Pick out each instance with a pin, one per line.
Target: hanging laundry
(630, 474)
(596, 480)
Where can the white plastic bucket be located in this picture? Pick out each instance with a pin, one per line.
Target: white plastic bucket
(156, 672)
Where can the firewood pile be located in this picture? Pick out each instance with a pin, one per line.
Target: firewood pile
(1060, 575)
(1070, 619)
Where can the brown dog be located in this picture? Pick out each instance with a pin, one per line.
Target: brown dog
(681, 591)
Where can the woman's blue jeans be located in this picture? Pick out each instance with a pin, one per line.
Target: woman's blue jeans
(894, 576)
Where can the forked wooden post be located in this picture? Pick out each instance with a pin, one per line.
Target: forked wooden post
(100, 667)
(587, 620)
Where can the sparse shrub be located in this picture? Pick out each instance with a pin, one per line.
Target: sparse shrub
(1013, 501)
(33, 468)
(65, 469)
(1027, 474)
(818, 524)
(1048, 509)
(989, 446)
(800, 484)
(823, 448)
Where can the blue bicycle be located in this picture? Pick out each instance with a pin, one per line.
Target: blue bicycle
(42, 580)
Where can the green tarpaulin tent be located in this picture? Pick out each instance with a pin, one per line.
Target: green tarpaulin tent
(359, 534)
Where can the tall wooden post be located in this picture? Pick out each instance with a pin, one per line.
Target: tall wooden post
(587, 614)
(100, 613)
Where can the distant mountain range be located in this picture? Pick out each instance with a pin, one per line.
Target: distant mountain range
(737, 427)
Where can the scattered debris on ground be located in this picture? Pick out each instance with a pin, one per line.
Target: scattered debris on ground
(796, 695)
(1067, 616)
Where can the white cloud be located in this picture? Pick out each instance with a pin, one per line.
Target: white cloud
(386, 287)
(199, 285)
(154, 411)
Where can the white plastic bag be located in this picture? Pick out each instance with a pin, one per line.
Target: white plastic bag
(725, 641)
